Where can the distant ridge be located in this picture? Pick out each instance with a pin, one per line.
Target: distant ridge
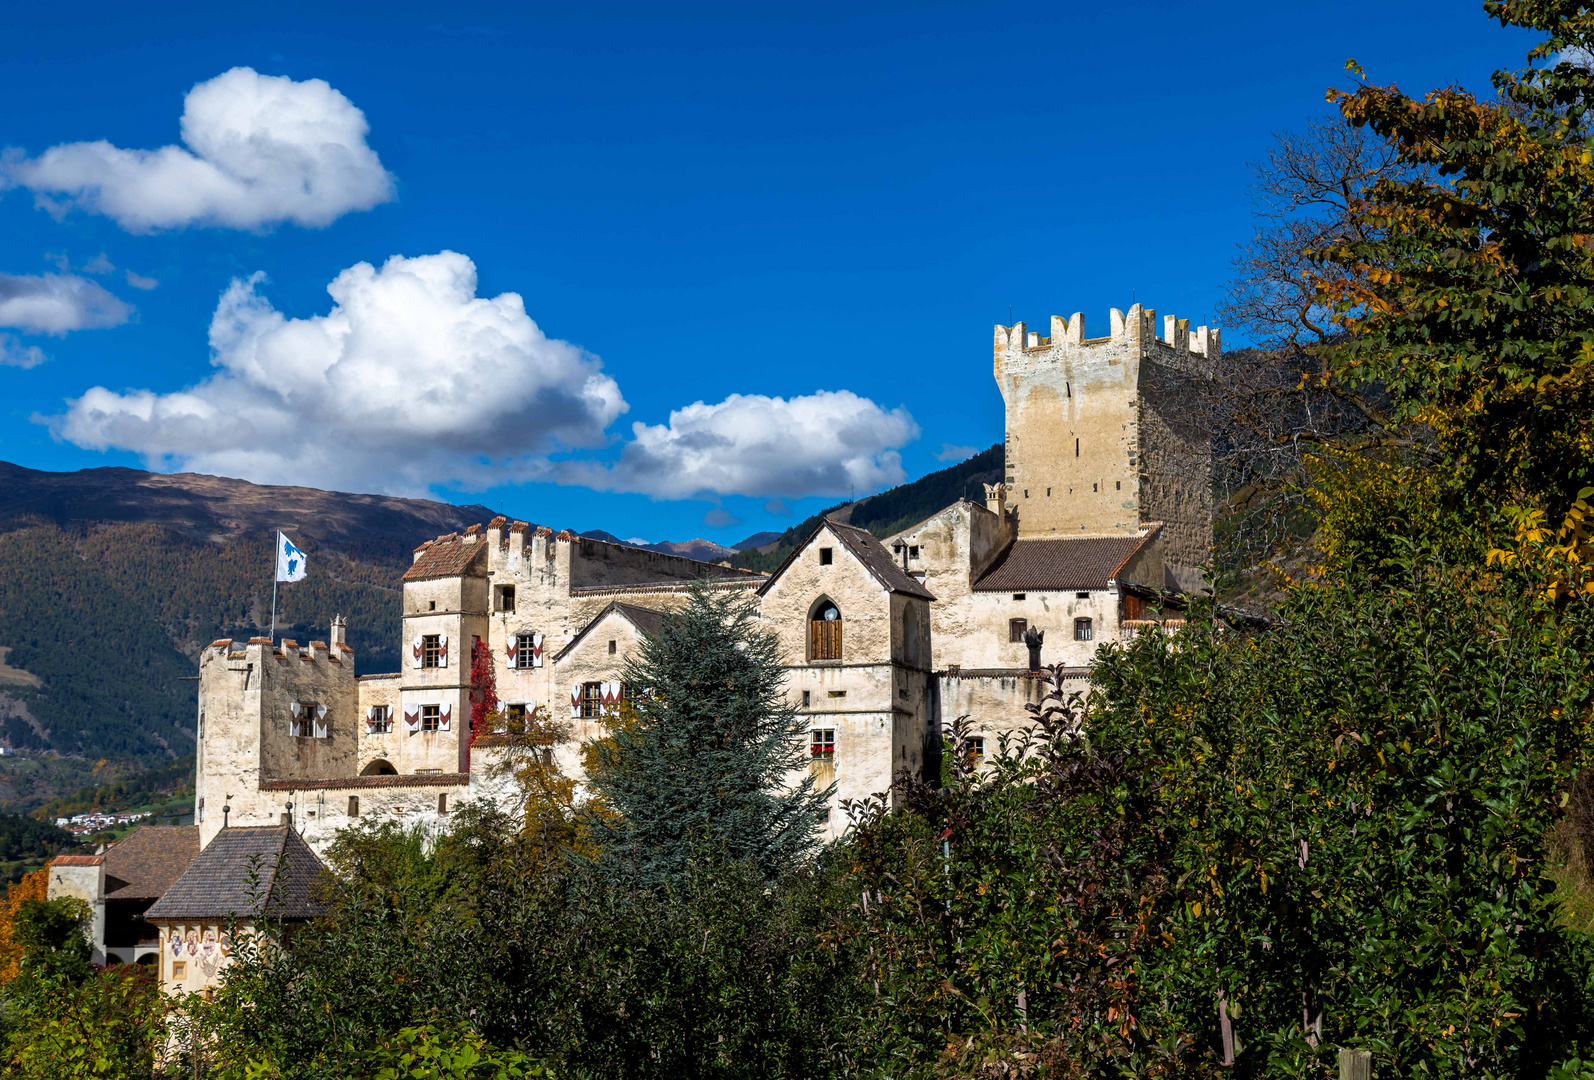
(217, 507)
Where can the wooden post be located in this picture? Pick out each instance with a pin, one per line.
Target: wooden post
(1355, 1064)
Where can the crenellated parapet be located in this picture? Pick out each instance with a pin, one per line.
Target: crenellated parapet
(1193, 351)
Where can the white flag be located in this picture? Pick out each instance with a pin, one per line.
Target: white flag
(290, 560)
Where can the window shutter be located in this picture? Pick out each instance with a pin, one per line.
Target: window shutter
(511, 648)
(444, 714)
(575, 701)
(412, 721)
(320, 730)
(295, 710)
(415, 649)
(536, 650)
(442, 650)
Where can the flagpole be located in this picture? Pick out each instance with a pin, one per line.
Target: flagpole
(274, 590)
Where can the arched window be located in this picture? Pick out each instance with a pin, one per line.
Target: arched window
(379, 767)
(824, 632)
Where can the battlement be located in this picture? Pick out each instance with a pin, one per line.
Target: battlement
(1137, 326)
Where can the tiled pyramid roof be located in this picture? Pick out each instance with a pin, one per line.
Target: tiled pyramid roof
(246, 872)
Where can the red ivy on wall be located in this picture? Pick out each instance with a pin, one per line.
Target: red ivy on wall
(484, 689)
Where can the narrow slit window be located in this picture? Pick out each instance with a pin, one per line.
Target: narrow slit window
(354, 806)
(613, 647)
(1076, 447)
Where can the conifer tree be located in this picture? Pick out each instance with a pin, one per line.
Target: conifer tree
(703, 766)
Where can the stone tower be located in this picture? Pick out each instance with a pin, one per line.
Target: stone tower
(1106, 434)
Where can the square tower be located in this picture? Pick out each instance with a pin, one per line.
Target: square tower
(1107, 434)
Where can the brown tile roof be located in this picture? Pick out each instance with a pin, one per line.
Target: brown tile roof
(1075, 562)
(77, 860)
(448, 556)
(644, 619)
(246, 872)
(144, 863)
(869, 551)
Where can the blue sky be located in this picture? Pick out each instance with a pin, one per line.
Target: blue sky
(775, 238)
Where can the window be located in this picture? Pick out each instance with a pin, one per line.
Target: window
(613, 646)
(1095, 487)
(1076, 447)
(913, 551)
(1082, 630)
(179, 969)
(379, 720)
(1018, 596)
(1082, 596)
(516, 715)
(301, 721)
(591, 700)
(826, 556)
(822, 743)
(354, 806)
(1048, 493)
(838, 693)
(525, 651)
(431, 717)
(505, 598)
(1118, 485)
(1016, 628)
(431, 605)
(1026, 493)
(824, 633)
(442, 803)
(431, 651)
(808, 698)
(975, 747)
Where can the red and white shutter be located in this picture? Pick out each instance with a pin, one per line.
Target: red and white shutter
(415, 652)
(536, 650)
(445, 713)
(320, 729)
(442, 650)
(512, 649)
(575, 701)
(412, 721)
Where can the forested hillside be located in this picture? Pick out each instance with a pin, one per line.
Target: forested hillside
(112, 580)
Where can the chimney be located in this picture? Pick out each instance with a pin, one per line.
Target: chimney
(336, 637)
(995, 497)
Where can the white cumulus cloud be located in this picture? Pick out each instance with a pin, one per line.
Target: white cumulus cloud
(410, 380)
(258, 150)
(57, 304)
(15, 354)
(827, 443)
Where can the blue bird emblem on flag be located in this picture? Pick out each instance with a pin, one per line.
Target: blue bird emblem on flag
(290, 560)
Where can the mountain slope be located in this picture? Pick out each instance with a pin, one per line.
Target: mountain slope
(112, 580)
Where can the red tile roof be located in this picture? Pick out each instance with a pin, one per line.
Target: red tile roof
(448, 556)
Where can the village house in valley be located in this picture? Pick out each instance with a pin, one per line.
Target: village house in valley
(1105, 501)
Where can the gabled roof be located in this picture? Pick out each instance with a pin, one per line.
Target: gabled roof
(449, 556)
(869, 551)
(644, 619)
(1073, 562)
(246, 872)
(149, 860)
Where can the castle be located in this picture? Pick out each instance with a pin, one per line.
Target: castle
(1105, 502)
